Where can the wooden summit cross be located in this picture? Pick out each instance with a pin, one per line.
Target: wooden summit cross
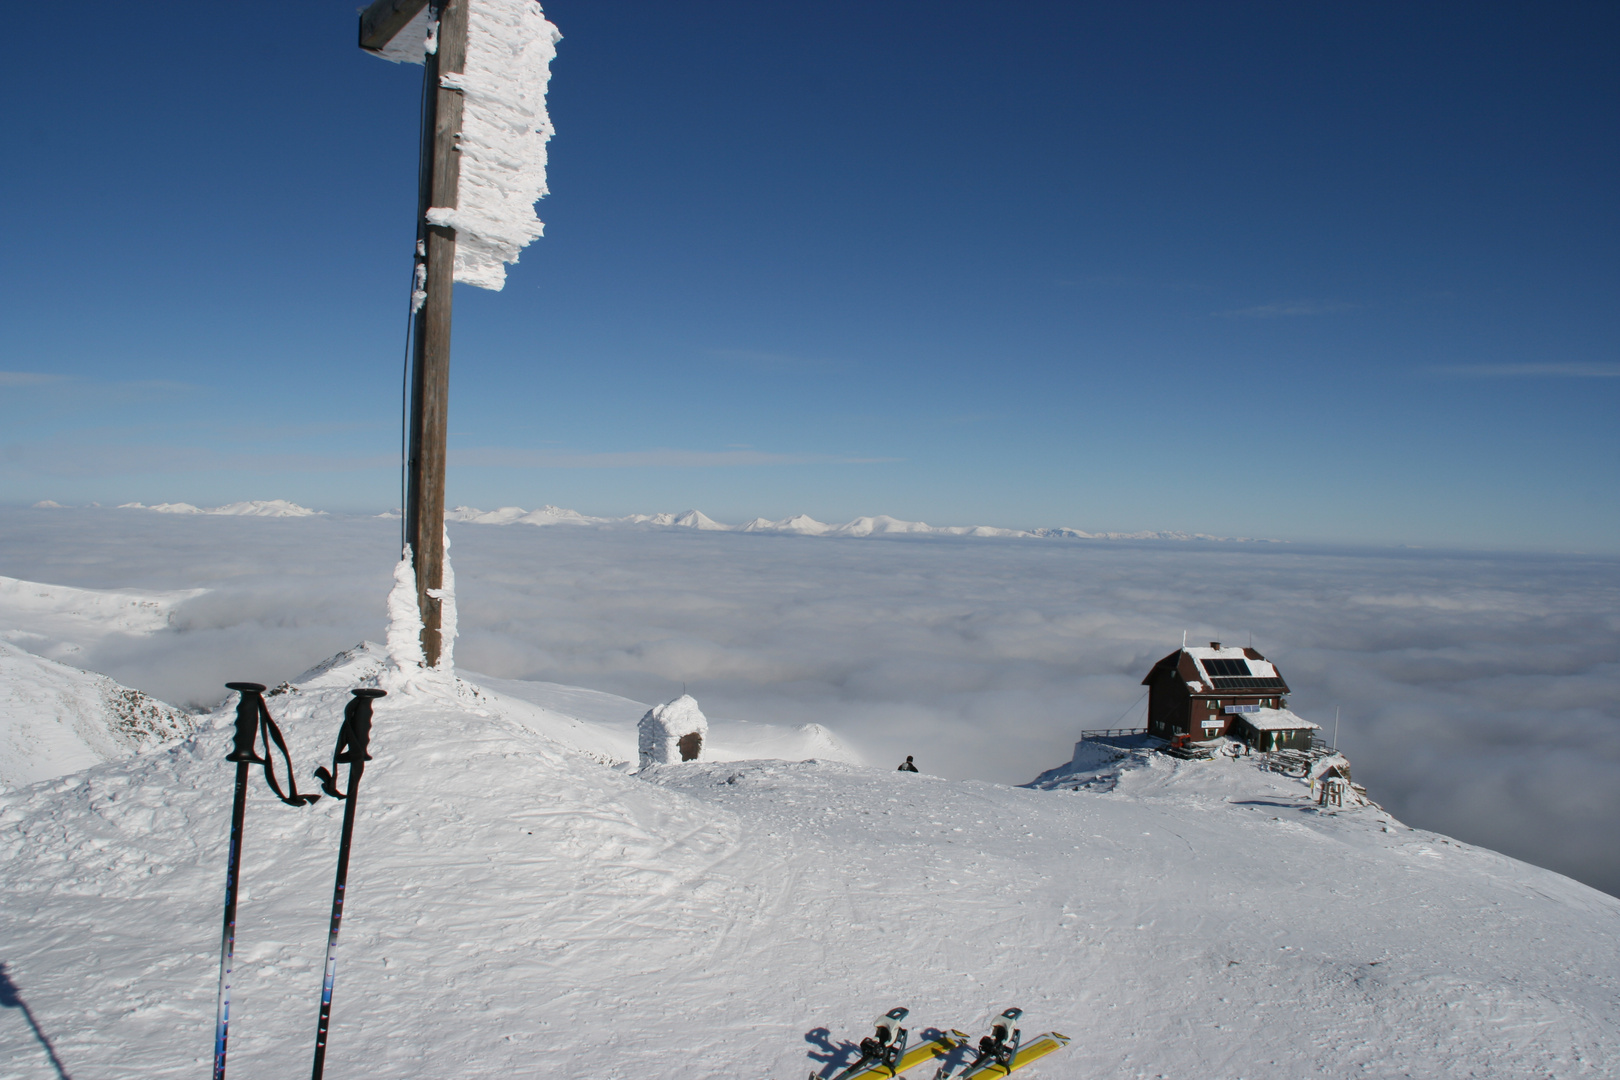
(482, 168)
(437, 182)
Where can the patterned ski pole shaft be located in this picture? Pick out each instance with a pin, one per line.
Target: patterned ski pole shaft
(247, 730)
(353, 738)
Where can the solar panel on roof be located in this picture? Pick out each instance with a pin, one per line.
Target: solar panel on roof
(1227, 668)
(1249, 684)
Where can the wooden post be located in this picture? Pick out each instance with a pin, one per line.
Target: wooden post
(430, 369)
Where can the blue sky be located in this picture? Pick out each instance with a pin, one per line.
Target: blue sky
(1330, 272)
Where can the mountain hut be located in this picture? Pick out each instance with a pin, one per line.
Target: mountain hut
(1223, 690)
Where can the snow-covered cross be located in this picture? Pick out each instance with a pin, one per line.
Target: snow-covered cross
(483, 165)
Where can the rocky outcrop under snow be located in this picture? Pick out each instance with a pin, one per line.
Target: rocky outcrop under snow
(56, 719)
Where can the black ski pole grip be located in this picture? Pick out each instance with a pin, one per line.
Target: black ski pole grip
(247, 720)
(353, 741)
(357, 723)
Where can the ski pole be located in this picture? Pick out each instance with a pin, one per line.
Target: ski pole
(351, 750)
(252, 717)
(247, 731)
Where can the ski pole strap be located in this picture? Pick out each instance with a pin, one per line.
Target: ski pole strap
(354, 737)
(253, 721)
(272, 734)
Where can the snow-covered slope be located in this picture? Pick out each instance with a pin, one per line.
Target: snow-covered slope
(61, 622)
(604, 726)
(516, 908)
(58, 621)
(55, 719)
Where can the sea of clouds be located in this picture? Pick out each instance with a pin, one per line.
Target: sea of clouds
(1477, 690)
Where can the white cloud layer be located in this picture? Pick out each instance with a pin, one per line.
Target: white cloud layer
(1477, 690)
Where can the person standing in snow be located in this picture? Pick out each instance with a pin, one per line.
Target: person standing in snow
(906, 765)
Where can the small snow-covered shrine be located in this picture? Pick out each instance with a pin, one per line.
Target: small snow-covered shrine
(673, 731)
(1223, 690)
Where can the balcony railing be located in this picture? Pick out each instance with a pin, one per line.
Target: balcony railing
(1111, 733)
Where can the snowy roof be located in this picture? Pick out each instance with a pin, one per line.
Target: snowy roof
(678, 717)
(1277, 720)
(1258, 668)
(1223, 670)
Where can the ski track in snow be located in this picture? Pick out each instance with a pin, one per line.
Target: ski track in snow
(517, 908)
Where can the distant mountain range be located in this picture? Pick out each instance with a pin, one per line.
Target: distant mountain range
(252, 508)
(804, 525)
(798, 525)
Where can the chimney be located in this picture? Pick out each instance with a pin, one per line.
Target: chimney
(1215, 645)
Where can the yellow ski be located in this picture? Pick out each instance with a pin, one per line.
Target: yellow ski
(926, 1050)
(1027, 1054)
